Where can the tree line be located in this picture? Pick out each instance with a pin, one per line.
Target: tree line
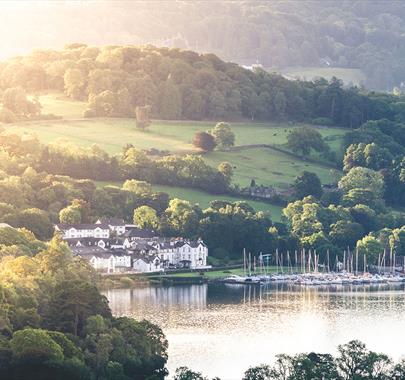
(353, 361)
(182, 84)
(94, 163)
(364, 35)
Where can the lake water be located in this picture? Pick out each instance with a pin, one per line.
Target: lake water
(221, 329)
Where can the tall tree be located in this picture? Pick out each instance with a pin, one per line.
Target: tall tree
(224, 137)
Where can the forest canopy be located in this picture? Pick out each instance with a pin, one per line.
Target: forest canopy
(364, 35)
(115, 81)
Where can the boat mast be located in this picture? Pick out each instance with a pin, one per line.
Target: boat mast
(365, 264)
(277, 259)
(385, 253)
(244, 261)
(344, 260)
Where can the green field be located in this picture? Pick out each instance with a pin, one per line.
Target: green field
(111, 134)
(348, 76)
(269, 167)
(61, 105)
(266, 165)
(203, 199)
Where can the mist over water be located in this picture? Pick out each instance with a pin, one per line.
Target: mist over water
(221, 330)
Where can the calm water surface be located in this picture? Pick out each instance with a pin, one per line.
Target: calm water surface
(221, 330)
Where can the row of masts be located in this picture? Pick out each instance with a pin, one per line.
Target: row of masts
(308, 261)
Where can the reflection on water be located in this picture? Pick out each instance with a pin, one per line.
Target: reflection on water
(221, 330)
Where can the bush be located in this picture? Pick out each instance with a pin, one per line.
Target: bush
(126, 281)
(322, 121)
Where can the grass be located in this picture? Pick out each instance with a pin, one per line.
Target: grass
(266, 166)
(176, 136)
(61, 105)
(269, 167)
(348, 76)
(203, 199)
(112, 133)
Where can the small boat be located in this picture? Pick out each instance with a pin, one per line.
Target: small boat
(252, 280)
(234, 279)
(395, 279)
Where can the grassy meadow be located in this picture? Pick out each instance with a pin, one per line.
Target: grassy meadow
(267, 166)
(203, 199)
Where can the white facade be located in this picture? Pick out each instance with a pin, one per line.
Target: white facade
(99, 232)
(119, 230)
(145, 265)
(114, 224)
(111, 263)
(197, 255)
(184, 254)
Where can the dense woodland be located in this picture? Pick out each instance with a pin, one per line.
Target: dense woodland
(181, 84)
(54, 323)
(367, 35)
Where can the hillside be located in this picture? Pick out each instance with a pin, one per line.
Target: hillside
(365, 35)
(173, 84)
(267, 166)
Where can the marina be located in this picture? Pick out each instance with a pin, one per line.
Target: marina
(304, 269)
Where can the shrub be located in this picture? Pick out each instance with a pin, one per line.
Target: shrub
(322, 121)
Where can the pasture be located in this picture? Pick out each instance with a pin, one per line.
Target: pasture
(203, 199)
(112, 134)
(267, 166)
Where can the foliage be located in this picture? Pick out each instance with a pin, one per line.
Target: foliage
(204, 141)
(304, 139)
(223, 135)
(307, 184)
(146, 217)
(56, 324)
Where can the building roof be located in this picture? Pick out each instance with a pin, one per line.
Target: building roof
(111, 221)
(192, 244)
(143, 246)
(87, 253)
(167, 245)
(86, 240)
(135, 232)
(82, 226)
